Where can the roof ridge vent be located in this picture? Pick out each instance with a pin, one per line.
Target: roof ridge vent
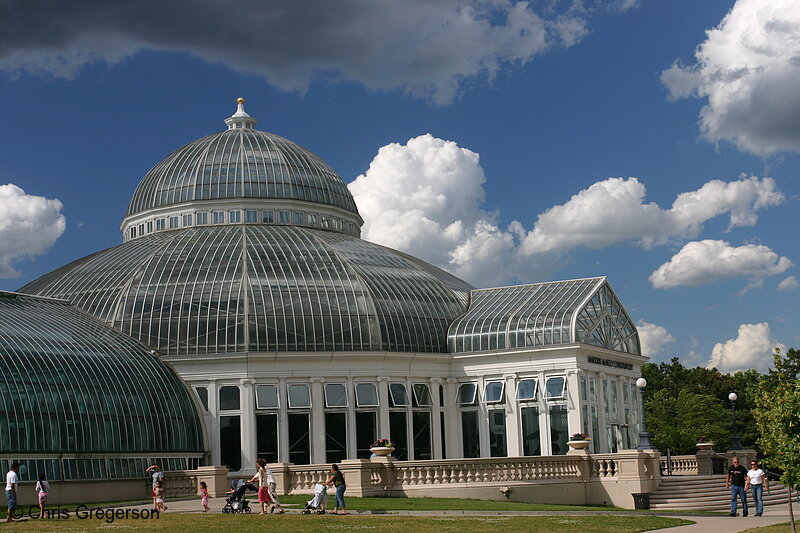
(240, 119)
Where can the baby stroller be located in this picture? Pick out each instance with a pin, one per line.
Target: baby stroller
(318, 501)
(236, 502)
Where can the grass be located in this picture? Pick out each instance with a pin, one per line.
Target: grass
(445, 504)
(777, 528)
(191, 523)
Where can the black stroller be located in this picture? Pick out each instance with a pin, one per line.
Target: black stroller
(236, 502)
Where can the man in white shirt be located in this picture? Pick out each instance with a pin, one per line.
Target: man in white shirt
(756, 481)
(12, 478)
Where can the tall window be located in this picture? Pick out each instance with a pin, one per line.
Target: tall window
(398, 421)
(202, 217)
(251, 216)
(230, 440)
(159, 224)
(470, 432)
(267, 422)
(173, 222)
(298, 217)
(235, 217)
(298, 418)
(531, 438)
(366, 420)
(267, 217)
(149, 226)
(284, 217)
(559, 430)
(421, 421)
(187, 220)
(218, 217)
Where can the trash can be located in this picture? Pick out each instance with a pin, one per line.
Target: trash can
(641, 500)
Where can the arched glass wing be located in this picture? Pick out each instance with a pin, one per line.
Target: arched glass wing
(70, 384)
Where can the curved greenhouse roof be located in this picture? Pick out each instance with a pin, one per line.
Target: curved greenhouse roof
(240, 163)
(543, 314)
(70, 384)
(263, 288)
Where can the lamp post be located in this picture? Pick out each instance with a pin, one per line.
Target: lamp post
(736, 444)
(644, 435)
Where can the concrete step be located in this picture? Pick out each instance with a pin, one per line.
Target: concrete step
(705, 492)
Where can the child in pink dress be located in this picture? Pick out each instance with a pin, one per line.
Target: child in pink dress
(204, 496)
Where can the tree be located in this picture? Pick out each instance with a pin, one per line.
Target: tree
(673, 377)
(778, 418)
(676, 423)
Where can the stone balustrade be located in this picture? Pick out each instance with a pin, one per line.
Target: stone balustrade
(576, 478)
(682, 465)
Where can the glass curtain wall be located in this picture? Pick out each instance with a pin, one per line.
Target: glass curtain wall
(366, 418)
(398, 420)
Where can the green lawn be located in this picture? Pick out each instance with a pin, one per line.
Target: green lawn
(443, 504)
(777, 528)
(192, 523)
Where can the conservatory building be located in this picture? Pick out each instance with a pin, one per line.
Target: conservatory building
(243, 269)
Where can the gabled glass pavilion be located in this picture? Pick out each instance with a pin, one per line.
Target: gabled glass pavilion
(243, 268)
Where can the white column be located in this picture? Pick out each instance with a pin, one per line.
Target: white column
(513, 421)
(436, 425)
(544, 418)
(452, 425)
(317, 421)
(283, 422)
(602, 421)
(351, 419)
(410, 419)
(248, 425)
(383, 408)
(483, 420)
(213, 427)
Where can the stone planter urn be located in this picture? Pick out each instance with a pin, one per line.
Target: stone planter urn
(381, 451)
(578, 444)
(705, 445)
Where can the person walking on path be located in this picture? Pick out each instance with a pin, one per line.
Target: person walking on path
(158, 475)
(337, 478)
(42, 489)
(736, 482)
(263, 484)
(273, 492)
(204, 496)
(757, 483)
(12, 479)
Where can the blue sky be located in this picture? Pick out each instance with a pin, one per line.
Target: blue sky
(86, 113)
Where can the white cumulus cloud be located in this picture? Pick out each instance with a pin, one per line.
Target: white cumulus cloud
(653, 338)
(748, 70)
(752, 348)
(707, 261)
(614, 211)
(426, 197)
(29, 225)
(788, 284)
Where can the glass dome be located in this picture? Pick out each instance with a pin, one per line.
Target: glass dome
(240, 163)
(263, 288)
(71, 385)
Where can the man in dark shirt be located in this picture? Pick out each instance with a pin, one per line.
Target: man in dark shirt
(735, 481)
